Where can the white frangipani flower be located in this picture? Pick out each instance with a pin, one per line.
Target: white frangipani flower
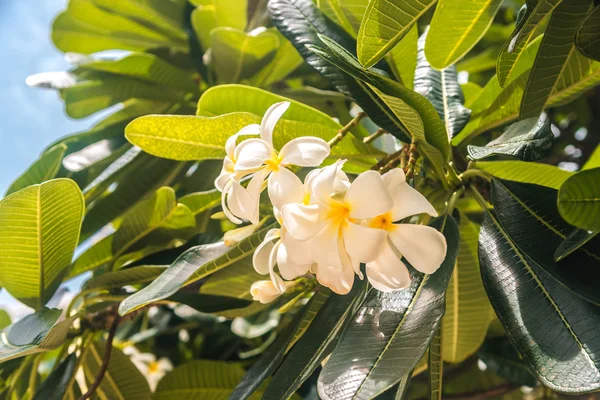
(266, 291)
(338, 242)
(258, 156)
(152, 369)
(422, 246)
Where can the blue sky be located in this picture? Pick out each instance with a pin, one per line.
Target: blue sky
(30, 118)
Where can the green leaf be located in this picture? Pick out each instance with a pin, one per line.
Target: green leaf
(286, 61)
(384, 24)
(403, 58)
(529, 215)
(477, 63)
(122, 379)
(537, 313)
(44, 168)
(468, 310)
(588, 37)
(200, 379)
(441, 88)
(348, 13)
(199, 202)
(86, 28)
(555, 50)
(435, 366)
(5, 319)
(159, 216)
(594, 160)
(209, 303)
(471, 91)
(302, 23)
(55, 385)
(502, 358)
(39, 230)
(124, 277)
(572, 242)
(272, 357)
(208, 16)
(34, 333)
(316, 343)
(579, 200)
(398, 325)
(237, 55)
(97, 255)
(52, 80)
(450, 37)
(529, 140)
(526, 172)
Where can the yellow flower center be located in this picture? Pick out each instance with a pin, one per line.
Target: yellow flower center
(153, 367)
(383, 221)
(273, 163)
(339, 213)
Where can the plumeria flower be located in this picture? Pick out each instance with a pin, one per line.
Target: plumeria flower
(258, 156)
(338, 242)
(422, 246)
(265, 291)
(148, 365)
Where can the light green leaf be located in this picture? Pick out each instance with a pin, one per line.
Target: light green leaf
(286, 60)
(44, 168)
(594, 160)
(435, 367)
(529, 139)
(39, 230)
(403, 58)
(526, 172)
(5, 319)
(456, 27)
(574, 240)
(482, 62)
(468, 310)
(471, 91)
(558, 44)
(579, 200)
(122, 379)
(159, 215)
(201, 201)
(442, 90)
(347, 13)
(237, 55)
(97, 255)
(588, 36)
(209, 15)
(34, 333)
(384, 24)
(201, 379)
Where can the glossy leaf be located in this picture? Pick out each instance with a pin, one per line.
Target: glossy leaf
(441, 88)
(124, 277)
(122, 379)
(537, 312)
(579, 200)
(237, 55)
(501, 357)
(384, 24)
(520, 171)
(397, 325)
(43, 169)
(529, 215)
(450, 37)
(528, 140)
(55, 385)
(316, 343)
(39, 230)
(588, 37)
(41, 331)
(200, 379)
(468, 310)
(572, 242)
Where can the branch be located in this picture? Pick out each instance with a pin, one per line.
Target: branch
(105, 359)
(342, 132)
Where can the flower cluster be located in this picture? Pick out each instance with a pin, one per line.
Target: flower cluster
(329, 225)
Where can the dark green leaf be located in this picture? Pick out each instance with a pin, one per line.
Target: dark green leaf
(315, 344)
(579, 200)
(557, 45)
(396, 325)
(572, 242)
(502, 358)
(588, 35)
(55, 385)
(529, 215)
(208, 303)
(554, 330)
(441, 88)
(528, 140)
(124, 277)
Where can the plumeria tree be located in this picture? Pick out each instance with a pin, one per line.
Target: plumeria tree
(358, 199)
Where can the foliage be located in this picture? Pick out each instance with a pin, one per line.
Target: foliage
(489, 108)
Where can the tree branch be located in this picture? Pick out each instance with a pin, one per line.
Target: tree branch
(105, 359)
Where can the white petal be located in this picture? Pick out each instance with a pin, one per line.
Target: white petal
(251, 154)
(325, 247)
(227, 190)
(165, 365)
(387, 272)
(262, 254)
(270, 119)
(241, 203)
(367, 196)
(363, 243)
(225, 175)
(338, 280)
(287, 267)
(301, 221)
(408, 201)
(422, 246)
(276, 279)
(285, 187)
(322, 183)
(298, 251)
(231, 143)
(393, 178)
(264, 291)
(307, 151)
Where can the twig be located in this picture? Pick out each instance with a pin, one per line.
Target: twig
(342, 132)
(379, 132)
(386, 160)
(412, 160)
(105, 359)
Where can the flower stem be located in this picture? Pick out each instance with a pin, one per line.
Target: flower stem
(379, 132)
(342, 132)
(471, 173)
